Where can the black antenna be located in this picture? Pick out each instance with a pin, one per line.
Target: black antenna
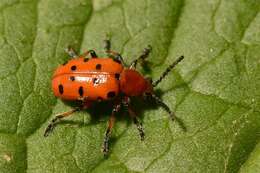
(168, 70)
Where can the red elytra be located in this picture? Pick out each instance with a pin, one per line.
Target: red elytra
(97, 79)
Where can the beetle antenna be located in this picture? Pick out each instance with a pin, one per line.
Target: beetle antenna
(168, 70)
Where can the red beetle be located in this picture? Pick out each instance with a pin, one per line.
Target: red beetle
(98, 79)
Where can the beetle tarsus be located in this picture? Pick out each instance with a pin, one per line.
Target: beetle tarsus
(132, 114)
(139, 128)
(51, 126)
(105, 148)
(57, 118)
(107, 45)
(111, 122)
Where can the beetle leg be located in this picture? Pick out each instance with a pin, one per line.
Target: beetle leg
(116, 56)
(142, 57)
(134, 117)
(91, 52)
(71, 52)
(57, 119)
(85, 104)
(137, 123)
(161, 103)
(105, 147)
(107, 45)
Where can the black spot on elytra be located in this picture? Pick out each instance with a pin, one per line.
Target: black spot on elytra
(111, 94)
(61, 89)
(72, 78)
(98, 66)
(95, 81)
(86, 59)
(81, 92)
(73, 67)
(117, 76)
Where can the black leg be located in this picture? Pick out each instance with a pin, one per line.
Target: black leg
(57, 119)
(105, 147)
(161, 103)
(142, 57)
(115, 55)
(132, 114)
(137, 123)
(54, 122)
(91, 52)
(107, 45)
(72, 53)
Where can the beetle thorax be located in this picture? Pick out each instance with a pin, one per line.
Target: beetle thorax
(132, 83)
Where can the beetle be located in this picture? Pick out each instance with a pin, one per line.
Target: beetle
(88, 78)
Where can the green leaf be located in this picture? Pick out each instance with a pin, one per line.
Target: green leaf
(214, 91)
(253, 163)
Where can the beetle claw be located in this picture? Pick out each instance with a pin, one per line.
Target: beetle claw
(51, 126)
(49, 129)
(105, 148)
